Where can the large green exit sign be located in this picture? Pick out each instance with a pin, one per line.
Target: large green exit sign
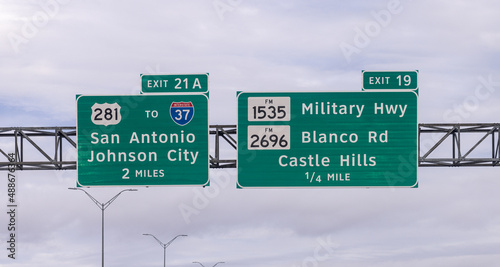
(142, 140)
(345, 139)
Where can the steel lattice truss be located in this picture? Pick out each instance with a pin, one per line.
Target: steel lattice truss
(471, 144)
(54, 148)
(26, 148)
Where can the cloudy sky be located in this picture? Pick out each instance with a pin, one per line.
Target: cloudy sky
(51, 50)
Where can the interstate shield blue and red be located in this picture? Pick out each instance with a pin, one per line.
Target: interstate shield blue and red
(182, 112)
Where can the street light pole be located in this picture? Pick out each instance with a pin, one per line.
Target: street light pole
(102, 206)
(204, 265)
(164, 245)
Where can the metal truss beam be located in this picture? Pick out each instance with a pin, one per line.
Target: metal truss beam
(227, 133)
(452, 145)
(25, 148)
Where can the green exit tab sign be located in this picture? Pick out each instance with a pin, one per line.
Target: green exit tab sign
(174, 83)
(390, 80)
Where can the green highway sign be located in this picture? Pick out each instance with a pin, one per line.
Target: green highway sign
(326, 139)
(174, 83)
(390, 80)
(142, 140)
